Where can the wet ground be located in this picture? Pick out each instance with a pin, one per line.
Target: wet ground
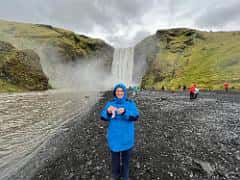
(27, 123)
(176, 139)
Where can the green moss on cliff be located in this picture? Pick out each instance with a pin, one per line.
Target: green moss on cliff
(69, 45)
(55, 45)
(187, 56)
(20, 70)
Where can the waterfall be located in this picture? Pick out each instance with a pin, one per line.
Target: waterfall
(122, 66)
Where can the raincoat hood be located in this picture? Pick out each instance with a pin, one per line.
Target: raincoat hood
(120, 100)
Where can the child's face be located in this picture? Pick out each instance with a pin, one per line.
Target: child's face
(119, 93)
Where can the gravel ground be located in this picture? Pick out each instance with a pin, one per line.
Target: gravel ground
(176, 139)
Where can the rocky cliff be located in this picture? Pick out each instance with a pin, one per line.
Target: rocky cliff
(61, 51)
(20, 70)
(179, 57)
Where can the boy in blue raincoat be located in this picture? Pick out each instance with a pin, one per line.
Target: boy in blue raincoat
(121, 113)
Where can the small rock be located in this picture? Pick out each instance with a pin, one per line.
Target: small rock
(138, 165)
(89, 163)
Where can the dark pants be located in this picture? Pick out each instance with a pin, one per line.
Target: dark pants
(195, 95)
(120, 164)
(191, 95)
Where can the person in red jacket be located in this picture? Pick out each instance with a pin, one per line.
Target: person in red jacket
(226, 86)
(192, 90)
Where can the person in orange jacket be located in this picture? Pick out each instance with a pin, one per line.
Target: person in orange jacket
(192, 91)
(226, 86)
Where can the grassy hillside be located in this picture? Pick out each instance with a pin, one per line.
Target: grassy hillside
(186, 56)
(20, 70)
(57, 48)
(68, 44)
(55, 45)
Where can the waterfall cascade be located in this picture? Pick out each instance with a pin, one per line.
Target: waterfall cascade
(122, 66)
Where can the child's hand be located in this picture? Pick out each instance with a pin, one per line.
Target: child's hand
(110, 109)
(121, 110)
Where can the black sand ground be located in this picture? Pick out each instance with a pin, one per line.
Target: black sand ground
(176, 139)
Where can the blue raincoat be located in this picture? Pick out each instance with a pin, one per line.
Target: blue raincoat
(120, 133)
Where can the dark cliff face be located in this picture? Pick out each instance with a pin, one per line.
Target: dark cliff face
(20, 69)
(176, 57)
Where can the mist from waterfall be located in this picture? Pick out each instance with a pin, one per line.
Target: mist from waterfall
(122, 65)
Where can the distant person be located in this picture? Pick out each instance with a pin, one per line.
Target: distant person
(226, 86)
(130, 89)
(120, 113)
(163, 88)
(138, 89)
(193, 91)
(196, 92)
(135, 90)
(184, 87)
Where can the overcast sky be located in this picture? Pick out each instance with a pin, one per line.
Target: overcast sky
(122, 23)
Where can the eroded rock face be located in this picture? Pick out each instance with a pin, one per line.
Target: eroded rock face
(147, 50)
(170, 38)
(6, 47)
(175, 139)
(21, 68)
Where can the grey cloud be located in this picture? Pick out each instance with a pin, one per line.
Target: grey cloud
(124, 41)
(219, 15)
(113, 20)
(140, 35)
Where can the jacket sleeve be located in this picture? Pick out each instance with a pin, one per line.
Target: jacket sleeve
(105, 116)
(131, 112)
